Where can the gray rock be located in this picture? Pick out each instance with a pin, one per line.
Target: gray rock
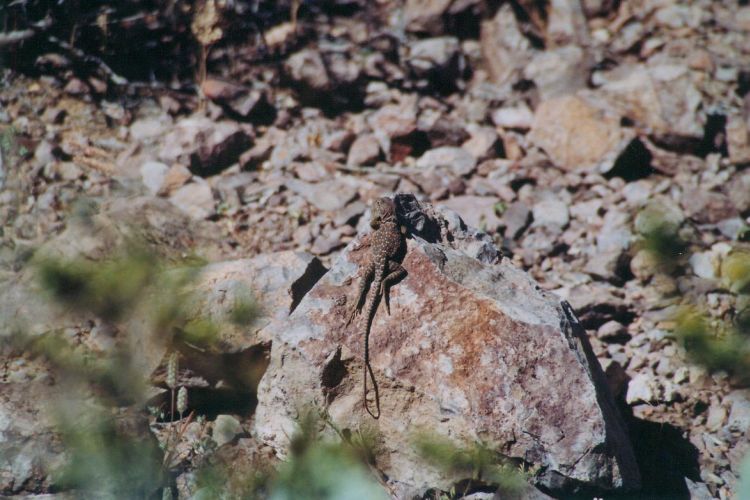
(579, 135)
(567, 23)
(307, 67)
(703, 265)
(558, 72)
(739, 190)
(716, 417)
(433, 55)
(204, 145)
(641, 389)
(432, 375)
(31, 448)
(662, 98)
(518, 117)
(195, 199)
(240, 100)
(275, 282)
(153, 174)
(551, 212)
(739, 415)
(150, 128)
(612, 331)
(329, 196)
(698, 491)
(456, 160)
(226, 428)
(516, 218)
(479, 211)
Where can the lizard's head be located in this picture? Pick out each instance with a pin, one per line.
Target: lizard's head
(383, 209)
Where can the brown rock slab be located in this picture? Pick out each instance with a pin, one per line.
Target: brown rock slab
(473, 350)
(577, 135)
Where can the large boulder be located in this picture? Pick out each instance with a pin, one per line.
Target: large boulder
(473, 350)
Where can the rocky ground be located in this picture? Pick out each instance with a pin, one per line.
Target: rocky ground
(557, 129)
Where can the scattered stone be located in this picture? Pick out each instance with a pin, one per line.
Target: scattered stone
(226, 428)
(578, 136)
(203, 145)
(176, 177)
(434, 56)
(482, 143)
(456, 160)
(153, 174)
(704, 265)
(641, 390)
(558, 72)
(194, 199)
(739, 415)
(505, 50)
(307, 67)
(328, 196)
(516, 219)
(425, 16)
(479, 211)
(613, 331)
(365, 150)
(717, 414)
(551, 212)
(519, 117)
(239, 100)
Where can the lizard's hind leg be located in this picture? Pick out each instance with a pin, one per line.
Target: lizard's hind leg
(397, 272)
(364, 285)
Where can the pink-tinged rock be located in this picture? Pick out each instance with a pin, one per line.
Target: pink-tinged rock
(205, 145)
(425, 16)
(176, 177)
(738, 139)
(365, 150)
(481, 144)
(394, 120)
(567, 23)
(577, 135)
(473, 350)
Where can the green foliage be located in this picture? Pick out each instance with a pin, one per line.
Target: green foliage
(105, 461)
(660, 236)
(108, 456)
(475, 461)
(713, 343)
(107, 289)
(317, 469)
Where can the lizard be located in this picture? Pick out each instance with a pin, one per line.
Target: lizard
(387, 243)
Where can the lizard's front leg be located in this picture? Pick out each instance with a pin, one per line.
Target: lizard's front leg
(362, 293)
(396, 272)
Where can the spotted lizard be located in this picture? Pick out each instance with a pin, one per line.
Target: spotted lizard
(387, 244)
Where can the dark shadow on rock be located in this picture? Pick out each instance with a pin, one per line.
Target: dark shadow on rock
(665, 459)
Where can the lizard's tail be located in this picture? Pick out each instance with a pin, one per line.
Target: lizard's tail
(368, 371)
